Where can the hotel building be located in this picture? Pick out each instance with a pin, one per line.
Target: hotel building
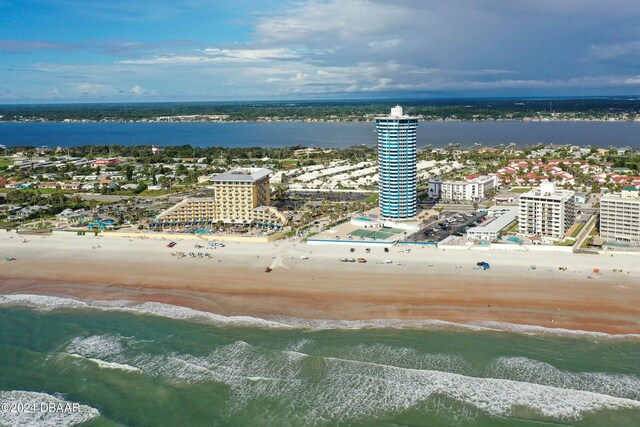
(546, 212)
(620, 216)
(473, 189)
(240, 196)
(397, 164)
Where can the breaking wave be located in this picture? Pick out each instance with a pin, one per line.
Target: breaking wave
(364, 381)
(48, 303)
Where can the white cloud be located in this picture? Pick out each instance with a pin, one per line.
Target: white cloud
(252, 54)
(93, 89)
(391, 47)
(137, 90)
(216, 55)
(384, 44)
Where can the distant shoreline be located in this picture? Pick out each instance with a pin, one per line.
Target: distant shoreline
(304, 121)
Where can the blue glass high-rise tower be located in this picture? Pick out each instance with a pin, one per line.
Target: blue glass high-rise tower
(397, 164)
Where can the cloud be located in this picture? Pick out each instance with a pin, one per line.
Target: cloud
(23, 46)
(252, 54)
(54, 93)
(93, 89)
(369, 47)
(114, 48)
(384, 44)
(117, 48)
(217, 55)
(606, 51)
(137, 90)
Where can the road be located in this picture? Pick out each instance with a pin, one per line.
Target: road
(116, 198)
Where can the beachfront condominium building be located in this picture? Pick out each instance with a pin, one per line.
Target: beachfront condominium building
(397, 164)
(472, 189)
(240, 196)
(546, 211)
(620, 216)
(238, 191)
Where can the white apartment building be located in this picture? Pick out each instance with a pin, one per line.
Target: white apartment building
(473, 189)
(620, 216)
(503, 217)
(546, 211)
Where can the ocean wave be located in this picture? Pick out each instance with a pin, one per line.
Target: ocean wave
(370, 386)
(528, 370)
(49, 303)
(107, 365)
(543, 330)
(45, 410)
(96, 346)
(365, 381)
(405, 357)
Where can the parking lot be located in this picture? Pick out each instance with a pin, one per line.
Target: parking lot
(446, 224)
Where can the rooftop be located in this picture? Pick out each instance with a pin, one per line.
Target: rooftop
(243, 174)
(509, 215)
(548, 190)
(397, 113)
(628, 193)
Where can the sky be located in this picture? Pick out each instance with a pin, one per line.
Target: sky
(209, 50)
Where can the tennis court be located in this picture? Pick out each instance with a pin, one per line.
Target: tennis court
(377, 234)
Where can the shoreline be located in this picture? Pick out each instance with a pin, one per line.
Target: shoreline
(312, 120)
(425, 284)
(47, 303)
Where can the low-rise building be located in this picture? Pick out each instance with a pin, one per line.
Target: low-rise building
(474, 188)
(546, 211)
(620, 216)
(504, 216)
(105, 162)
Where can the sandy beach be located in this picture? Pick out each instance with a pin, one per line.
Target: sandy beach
(426, 283)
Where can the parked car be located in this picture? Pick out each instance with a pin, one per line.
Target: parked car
(172, 244)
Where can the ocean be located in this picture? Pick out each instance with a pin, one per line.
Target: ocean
(328, 135)
(158, 365)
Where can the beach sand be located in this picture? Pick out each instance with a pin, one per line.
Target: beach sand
(427, 283)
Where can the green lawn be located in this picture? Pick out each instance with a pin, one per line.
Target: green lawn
(373, 198)
(41, 190)
(5, 163)
(520, 190)
(513, 229)
(577, 230)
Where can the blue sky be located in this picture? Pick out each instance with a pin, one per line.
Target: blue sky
(196, 50)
